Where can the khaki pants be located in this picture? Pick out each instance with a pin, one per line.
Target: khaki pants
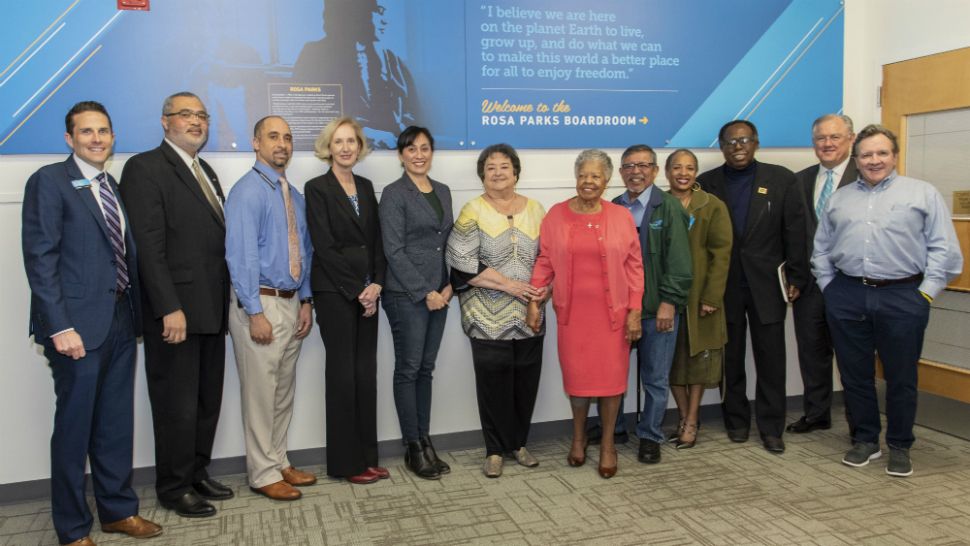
(266, 384)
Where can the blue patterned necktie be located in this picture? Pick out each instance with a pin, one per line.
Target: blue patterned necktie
(112, 218)
(826, 193)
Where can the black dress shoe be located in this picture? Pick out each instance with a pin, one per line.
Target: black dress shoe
(212, 490)
(649, 452)
(190, 505)
(805, 425)
(773, 444)
(738, 435)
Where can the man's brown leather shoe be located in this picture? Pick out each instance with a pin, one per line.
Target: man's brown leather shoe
(86, 541)
(297, 477)
(133, 526)
(280, 490)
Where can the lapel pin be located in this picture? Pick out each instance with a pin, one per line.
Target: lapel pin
(763, 190)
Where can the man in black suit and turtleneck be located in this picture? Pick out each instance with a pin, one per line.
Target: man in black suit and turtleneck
(768, 218)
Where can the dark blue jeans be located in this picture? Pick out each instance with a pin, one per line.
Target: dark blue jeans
(891, 321)
(417, 335)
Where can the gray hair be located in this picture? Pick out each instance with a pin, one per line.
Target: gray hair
(167, 105)
(599, 156)
(636, 148)
(845, 119)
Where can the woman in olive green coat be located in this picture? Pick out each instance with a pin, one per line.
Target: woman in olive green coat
(698, 358)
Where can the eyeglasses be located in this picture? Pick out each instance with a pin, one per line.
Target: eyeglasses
(641, 166)
(187, 115)
(835, 139)
(744, 141)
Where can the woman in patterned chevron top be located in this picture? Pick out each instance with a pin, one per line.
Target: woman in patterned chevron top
(491, 251)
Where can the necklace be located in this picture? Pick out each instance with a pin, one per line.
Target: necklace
(505, 208)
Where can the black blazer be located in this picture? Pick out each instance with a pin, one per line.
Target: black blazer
(347, 248)
(69, 259)
(775, 232)
(181, 240)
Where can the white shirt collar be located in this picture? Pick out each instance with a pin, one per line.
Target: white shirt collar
(837, 171)
(88, 170)
(182, 153)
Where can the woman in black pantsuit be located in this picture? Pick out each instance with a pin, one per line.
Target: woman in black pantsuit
(347, 276)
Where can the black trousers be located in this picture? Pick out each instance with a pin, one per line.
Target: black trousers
(506, 383)
(350, 341)
(185, 389)
(814, 353)
(768, 344)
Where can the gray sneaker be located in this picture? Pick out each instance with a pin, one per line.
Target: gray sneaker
(493, 466)
(524, 458)
(899, 463)
(861, 453)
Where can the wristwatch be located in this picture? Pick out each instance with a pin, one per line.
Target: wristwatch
(307, 300)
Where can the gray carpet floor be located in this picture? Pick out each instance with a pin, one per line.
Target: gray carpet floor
(716, 493)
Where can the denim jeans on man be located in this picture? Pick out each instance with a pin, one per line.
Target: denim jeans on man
(417, 336)
(656, 353)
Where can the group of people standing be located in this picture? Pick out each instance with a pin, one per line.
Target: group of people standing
(679, 276)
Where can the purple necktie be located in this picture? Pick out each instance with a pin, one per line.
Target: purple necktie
(113, 219)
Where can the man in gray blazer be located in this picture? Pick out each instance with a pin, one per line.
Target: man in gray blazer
(832, 137)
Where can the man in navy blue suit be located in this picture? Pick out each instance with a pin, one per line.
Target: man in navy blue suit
(84, 311)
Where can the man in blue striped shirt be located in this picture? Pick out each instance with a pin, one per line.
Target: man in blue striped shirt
(885, 247)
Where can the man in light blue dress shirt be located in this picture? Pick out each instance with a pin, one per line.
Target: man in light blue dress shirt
(268, 252)
(885, 247)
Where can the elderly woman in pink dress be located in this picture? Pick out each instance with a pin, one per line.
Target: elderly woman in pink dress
(589, 253)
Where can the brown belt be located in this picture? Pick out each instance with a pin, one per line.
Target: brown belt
(878, 283)
(285, 294)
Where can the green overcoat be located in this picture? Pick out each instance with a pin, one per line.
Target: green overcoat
(710, 239)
